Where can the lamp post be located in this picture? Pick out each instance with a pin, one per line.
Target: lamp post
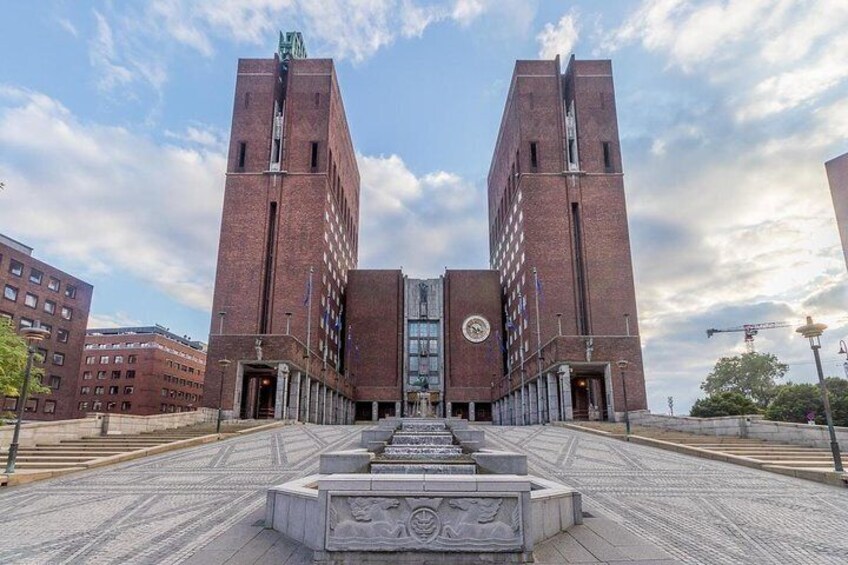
(843, 350)
(622, 366)
(223, 363)
(32, 335)
(813, 332)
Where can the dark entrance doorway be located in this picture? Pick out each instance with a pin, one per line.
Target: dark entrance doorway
(363, 412)
(259, 392)
(483, 411)
(385, 410)
(588, 397)
(459, 410)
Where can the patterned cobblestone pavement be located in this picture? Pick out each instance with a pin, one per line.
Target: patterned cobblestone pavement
(160, 509)
(699, 511)
(168, 508)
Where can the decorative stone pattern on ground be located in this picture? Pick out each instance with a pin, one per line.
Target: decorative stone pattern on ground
(199, 504)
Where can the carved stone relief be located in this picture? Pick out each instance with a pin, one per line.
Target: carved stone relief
(445, 523)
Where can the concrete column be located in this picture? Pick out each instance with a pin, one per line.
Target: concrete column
(449, 412)
(565, 388)
(553, 401)
(294, 396)
(307, 400)
(280, 392)
(470, 411)
(325, 408)
(533, 416)
(496, 416)
(516, 409)
(238, 390)
(541, 400)
(375, 414)
(313, 401)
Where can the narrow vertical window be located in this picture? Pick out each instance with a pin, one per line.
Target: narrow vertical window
(242, 154)
(317, 99)
(607, 157)
(246, 99)
(314, 160)
(580, 272)
(270, 246)
(534, 155)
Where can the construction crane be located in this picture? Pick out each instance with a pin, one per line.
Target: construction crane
(750, 330)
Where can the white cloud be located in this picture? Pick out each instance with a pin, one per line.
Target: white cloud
(776, 55)
(423, 223)
(559, 39)
(116, 320)
(109, 200)
(66, 24)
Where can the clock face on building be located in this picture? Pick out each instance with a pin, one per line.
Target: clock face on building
(476, 328)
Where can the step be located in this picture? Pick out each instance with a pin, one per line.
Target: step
(425, 468)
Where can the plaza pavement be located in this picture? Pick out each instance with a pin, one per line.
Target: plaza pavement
(204, 505)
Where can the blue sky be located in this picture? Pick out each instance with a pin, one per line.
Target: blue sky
(114, 119)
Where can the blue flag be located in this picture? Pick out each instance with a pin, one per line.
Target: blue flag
(308, 294)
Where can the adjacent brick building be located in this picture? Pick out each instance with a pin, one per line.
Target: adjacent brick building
(141, 371)
(37, 293)
(312, 338)
(837, 176)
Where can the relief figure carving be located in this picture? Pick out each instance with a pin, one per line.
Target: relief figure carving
(477, 522)
(371, 519)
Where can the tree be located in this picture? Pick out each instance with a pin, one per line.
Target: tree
(793, 402)
(728, 403)
(13, 357)
(752, 374)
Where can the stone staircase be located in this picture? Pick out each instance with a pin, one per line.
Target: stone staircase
(77, 453)
(813, 463)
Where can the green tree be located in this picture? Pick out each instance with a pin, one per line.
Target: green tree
(752, 374)
(13, 356)
(793, 402)
(728, 403)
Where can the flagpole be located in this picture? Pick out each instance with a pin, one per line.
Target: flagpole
(521, 358)
(538, 334)
(338, 327)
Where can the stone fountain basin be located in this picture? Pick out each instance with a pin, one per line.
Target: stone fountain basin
(421, 513)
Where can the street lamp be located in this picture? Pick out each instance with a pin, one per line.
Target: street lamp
(622, 366)
(223, 363)
(813, 332)
(843, 350)
(32, 335)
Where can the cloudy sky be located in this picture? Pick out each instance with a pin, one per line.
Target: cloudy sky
(114, 119)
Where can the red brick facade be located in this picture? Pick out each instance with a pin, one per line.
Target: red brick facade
(35, 292)
(556, 209)
(139, 371)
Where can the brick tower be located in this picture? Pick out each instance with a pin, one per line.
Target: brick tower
(289, 235)
(557, 213)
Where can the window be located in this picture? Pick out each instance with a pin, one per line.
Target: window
(97, 406)
(16, 268)
(90, 360)
(164, 392)
(104, 359)
(163, 407)
(85, 389)
(49, 406)
(314, 155)
(62, 335)
(101, 375)
(246, 100)
(70, 291)
(53, 284)
(132, 359)
(35, 276)
(130, 374)
(55, 382)
(119, 359)
(128, 390)
(83, 406)
(31, 300)
(67, 313)
(10, 404)
(25, 323)
(125, 405)
(58, 358)
(31, 405)
(116, 374)
(86, 376)
(6, 316)
(607, 157)
(534, 155)
(111, 406)
(113, 390)
(98, 390)
(10, 293)
(242, 155)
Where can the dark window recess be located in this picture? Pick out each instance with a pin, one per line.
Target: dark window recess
(242, 154)
(580, 272)
(246, 99)
(607, 157)
(265, 318)
(314, 159)
(534, 155)
(317, 99)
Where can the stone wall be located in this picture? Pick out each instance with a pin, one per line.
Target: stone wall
(117, 424)
(751, 426)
